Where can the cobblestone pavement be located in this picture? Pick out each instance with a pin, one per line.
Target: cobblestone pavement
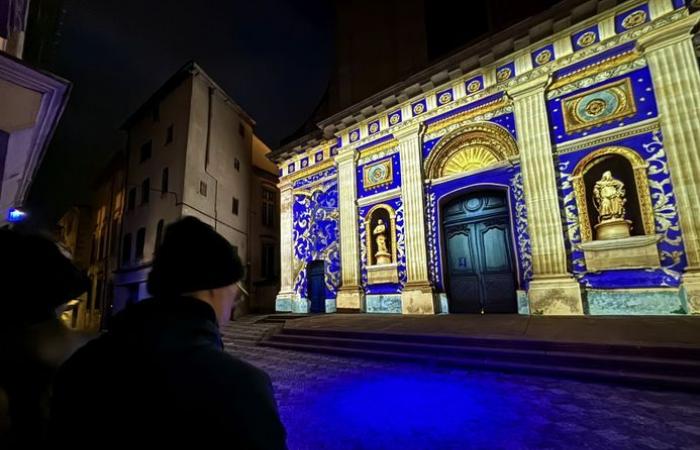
(330, 402)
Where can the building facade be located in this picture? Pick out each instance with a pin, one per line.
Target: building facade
(189, 153)
(31, 103)
(553, 173)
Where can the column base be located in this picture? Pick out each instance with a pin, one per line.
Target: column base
(558, 296)
(350, 298)
(691, 290)
(283, 302)
(418, 298)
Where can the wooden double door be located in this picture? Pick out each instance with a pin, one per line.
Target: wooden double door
(480, 270)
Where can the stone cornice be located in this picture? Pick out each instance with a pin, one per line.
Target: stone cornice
(612, 135)
(380, 197)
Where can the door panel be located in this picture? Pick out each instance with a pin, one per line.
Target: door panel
(480, 270)
(316, 291)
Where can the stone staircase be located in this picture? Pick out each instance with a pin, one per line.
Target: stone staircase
(675, 367)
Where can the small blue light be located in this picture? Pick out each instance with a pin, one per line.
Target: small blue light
(16, 215)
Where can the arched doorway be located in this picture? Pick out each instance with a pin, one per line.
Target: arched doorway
(316, 288)
(479, 263)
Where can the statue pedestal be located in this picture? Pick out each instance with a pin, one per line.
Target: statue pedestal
(613, 229)
(626, 253)
(382, 273)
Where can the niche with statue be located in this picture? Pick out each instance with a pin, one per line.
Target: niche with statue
(380, 226)
(615, 214)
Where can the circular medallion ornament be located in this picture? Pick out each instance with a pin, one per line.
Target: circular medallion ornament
(445, 98)
(504, 74)
(374, 127)
(543, 57)
(394, 118)
(418, 108)
(586, 39)
(597, 105)
(377, 174)
(355, 135)
(473, 203)
(636, 18)
(473, 86)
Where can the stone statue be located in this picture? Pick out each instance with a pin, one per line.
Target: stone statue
(609, 200)
(382, 255)
(609, 196)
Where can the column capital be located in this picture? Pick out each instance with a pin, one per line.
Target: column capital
(346, 155)
(675, 32)
(531, 86)
(285, 184)
(414, 129)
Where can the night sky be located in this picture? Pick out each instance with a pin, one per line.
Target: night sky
(274, 57)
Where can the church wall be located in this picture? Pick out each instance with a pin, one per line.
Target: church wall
(599, 94)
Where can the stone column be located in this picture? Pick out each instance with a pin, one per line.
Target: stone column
(283, 303)
(553, 289)
(350, 295)
(674, 70)
(417, 296)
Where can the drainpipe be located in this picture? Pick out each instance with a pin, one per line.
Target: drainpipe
(206, 157)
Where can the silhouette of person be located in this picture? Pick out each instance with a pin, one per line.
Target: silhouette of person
(36, 278)
(160, 375)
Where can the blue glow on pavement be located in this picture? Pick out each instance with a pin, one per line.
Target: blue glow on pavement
(410, 408)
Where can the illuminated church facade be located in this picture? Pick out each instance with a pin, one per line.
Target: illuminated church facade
(559, 177)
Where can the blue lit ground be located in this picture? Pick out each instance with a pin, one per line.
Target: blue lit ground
(329, 402)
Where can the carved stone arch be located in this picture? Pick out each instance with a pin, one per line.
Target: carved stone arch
(639, 168)
(368, 235)
(472, 147)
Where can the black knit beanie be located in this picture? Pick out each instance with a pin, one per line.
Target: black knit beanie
(193, 257)
(36, 277)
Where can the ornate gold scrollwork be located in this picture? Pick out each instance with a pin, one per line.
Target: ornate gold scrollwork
(472, 147)
(639, 167)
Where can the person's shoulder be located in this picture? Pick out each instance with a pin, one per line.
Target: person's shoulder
(231, 366)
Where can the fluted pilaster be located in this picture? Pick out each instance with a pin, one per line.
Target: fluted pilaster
(553, 289)
(284, 298)
(674, 69)
(417, 296)
(350, 295)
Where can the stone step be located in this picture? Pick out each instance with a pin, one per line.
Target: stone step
(630, 377)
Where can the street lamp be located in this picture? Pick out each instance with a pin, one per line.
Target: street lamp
(15, 215)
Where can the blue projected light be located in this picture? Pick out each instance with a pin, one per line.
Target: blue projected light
(16, 215)
(412, 407)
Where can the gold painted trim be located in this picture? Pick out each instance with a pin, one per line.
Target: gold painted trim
(466, 115)
(493, 136)
(628, 107)
(378, 148)
(310, 170)
(368, 235)
(639, 166)
(368, 184)
(600, 66)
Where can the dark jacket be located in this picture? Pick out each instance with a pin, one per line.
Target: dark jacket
(160, 376)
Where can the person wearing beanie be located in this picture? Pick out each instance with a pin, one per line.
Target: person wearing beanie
(160, 374)
(36, 279)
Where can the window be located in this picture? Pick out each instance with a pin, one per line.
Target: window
(126, 249)
(132, 199)
(102, 251)
(241, 129)
(169, 135)
(267, 262)
(236, 164)
(93, 250)
(146, 150)
(140, 242)
(268, 207)
(145, 191)
(98, 295)
(113, 238)
(203, 188)
(234, 206)
(159, 234)
(164, 181)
